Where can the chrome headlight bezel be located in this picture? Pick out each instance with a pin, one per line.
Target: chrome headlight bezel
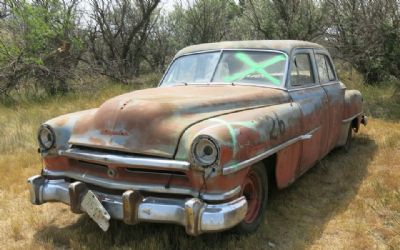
(205, 151)
(45, 132)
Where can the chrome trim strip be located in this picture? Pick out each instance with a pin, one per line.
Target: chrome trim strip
(351, 118)
(236, 167)
(309, 134)
(124, 185)
(107, 158)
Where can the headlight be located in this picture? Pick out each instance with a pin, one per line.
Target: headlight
(204, 151)
(46, 137)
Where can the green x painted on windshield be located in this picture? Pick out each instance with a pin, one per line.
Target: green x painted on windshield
(255, 67)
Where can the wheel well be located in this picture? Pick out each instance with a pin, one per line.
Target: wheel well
(355, 124)
(270, 165)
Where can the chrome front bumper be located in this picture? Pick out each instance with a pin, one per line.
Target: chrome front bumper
(194, 214)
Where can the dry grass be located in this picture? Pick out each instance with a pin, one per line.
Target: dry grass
(348, 201)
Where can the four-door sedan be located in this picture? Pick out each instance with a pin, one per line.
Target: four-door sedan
(227, 121)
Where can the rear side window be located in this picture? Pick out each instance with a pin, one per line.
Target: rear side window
(301, 72)
(325, 69)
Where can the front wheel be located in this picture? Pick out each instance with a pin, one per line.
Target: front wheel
(255, 189)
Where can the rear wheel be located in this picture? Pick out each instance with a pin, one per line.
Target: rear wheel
(255, 189)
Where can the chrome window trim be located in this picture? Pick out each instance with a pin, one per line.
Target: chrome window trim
(108, 158)
(124, 185)
(282, 86)
(236, 167)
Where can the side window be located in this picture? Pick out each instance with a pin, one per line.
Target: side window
(301, 72)
(325, 69)
(331, 75)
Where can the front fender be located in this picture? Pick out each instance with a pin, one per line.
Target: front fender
(62, 127)
(245, 135)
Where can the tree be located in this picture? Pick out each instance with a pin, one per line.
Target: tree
(160, 45)
(286, 19)
(367, 34)
(202, 21)
(118, 33)
(39, 42)
(4, 9)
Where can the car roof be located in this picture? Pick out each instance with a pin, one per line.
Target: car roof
(282, 45)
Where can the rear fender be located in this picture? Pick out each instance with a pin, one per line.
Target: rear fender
(352, 104)
(352, 114)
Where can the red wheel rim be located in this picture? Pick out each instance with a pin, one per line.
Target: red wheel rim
(252, 190)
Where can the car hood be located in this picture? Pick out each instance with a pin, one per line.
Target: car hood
(151, 121)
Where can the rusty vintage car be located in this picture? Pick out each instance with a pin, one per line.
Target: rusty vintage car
(227, 122)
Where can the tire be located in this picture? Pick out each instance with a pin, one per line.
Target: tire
(349, 139)
(255, 189)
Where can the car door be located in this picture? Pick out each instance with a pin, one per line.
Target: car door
(335, 92)
(305, 90)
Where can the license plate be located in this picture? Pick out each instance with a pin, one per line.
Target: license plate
(93, 207)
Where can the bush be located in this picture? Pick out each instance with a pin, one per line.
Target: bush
(39, 42)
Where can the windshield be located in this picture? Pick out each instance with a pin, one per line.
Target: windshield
(251, 67)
